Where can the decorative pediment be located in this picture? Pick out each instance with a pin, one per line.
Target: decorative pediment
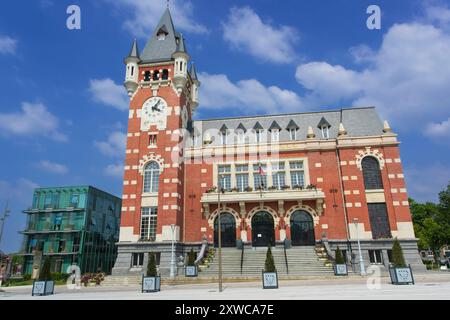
(369, 152)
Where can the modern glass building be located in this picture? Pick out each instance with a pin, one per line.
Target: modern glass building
(77, 224)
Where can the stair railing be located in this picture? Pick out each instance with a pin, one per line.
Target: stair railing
(242, 256)
(202, 252)
(285, 258)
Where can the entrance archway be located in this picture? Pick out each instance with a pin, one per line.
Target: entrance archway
(263, 231)
(302, 229)
(228, 229)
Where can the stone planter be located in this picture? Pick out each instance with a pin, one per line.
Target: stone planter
(403, 275)
(340, 270)
(270, 280)
(191, 271)
(43, 288)
(151, 284)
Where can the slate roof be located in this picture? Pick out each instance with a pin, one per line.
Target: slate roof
(361, 121)
(161, 50)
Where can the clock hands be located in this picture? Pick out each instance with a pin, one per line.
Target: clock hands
(155, 107)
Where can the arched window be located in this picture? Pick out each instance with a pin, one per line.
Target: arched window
(155, 75)
(147, 76)
(165, 74)
(151, 177)
(371, 173)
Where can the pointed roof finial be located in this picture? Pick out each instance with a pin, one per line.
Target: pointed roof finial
(342, 131)
(310, 134)
(386, 127)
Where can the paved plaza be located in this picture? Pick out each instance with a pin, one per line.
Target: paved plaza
(435, 286)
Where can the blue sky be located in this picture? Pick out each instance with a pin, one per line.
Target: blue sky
(63, 110)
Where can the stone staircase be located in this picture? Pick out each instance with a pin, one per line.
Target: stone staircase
(302, 261)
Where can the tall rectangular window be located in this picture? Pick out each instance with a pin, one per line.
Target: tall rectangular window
(74, 199)
(223, 138)
(260, 176)
(278, 175)
(379, 220)
(293, 134)
(137, 259)
(242, 177)
(325, 132)
(297, 174)
(225, 177)
(152, 140)
(376, 257)
(149, 220)
(275, 135)
(48, 201)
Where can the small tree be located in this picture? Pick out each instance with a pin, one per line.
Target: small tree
(191, 258)
(151, 265)
(44, 273)
(339, 259)
(397, 255)
(270, 263)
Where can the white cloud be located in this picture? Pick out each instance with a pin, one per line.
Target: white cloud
(53, 167)
(114, 145)
(438, 129)
(438, 14)
(408, 80)
(146, 14)
(245, 96)
(7, 45)
(33, 119)
(114, 170)
(425, 182)
(245, 31)
(107, 92)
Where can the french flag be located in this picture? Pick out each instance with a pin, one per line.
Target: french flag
(261, 170)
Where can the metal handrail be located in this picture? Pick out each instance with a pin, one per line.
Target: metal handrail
(242, 256)
(285, 258)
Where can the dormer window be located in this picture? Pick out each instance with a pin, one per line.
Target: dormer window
(324, 127)
(223, 135)
(292, 128)
(275, 135)
(162, 33)
(325, 132)
(293, 134)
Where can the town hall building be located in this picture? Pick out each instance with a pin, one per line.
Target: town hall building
(286, 180)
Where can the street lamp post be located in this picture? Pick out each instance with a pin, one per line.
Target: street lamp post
(172, 262)
(220, 234)
(361, 261)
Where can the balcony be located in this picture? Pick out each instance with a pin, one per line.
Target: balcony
(286, 194)
(51, 209)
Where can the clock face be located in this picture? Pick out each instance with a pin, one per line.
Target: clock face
(153, 112)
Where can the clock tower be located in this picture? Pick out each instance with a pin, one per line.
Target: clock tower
(163, 93)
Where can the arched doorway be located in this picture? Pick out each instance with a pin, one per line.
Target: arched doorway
(302, 229)
(263, 232)
(228, 229)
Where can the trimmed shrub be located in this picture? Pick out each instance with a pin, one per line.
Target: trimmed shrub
(269, 266)
(151, 265)
(398, 260)
(191, 258)
(339, 259)
(44, 274)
